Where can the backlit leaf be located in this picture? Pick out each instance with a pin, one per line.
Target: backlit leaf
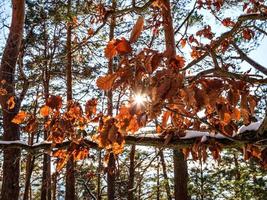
(11, 103)
(137, 29)
(106, 82)
(44, 111)
(20, 117)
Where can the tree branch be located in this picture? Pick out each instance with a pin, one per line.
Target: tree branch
(249, 60)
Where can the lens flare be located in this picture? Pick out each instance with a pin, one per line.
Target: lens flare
(139, 99)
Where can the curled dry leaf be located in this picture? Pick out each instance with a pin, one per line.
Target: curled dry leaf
(183, 43)
(90, 107)
(20, 117)
(106, 82)
(3, 91)
(11, 103)
(44, 111)
(54, 102)
(123, 46)
(118, 46)
(110, 50)
(137, 29)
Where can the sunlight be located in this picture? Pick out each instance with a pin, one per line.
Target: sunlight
(140, 99)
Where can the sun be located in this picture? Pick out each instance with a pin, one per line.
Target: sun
(140, 99)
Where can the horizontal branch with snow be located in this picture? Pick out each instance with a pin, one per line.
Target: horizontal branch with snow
(245, 135)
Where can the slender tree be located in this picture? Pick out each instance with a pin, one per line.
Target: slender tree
(11, 166)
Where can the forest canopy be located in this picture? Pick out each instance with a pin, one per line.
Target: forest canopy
(146, 99)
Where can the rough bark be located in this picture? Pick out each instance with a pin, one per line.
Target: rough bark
(46, 176)
(180, 176)
(131, 174)
(70, 169)
(99, 176)
(54, 186)
(111, 164)
(111, 177)
(11, 168)
(165, 175)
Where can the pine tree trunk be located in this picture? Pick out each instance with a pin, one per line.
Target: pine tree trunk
(180, 165)
(70, 170)
(99, 176)
(131, 174)
(111, 163)
(11, 167)
(180, 176)
(158, 179)
(54, 186)
(165, 175)
(46, 176)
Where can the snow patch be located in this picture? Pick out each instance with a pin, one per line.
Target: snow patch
(251, 127)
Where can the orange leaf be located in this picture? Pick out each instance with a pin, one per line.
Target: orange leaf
(165, 118)
(11, 103)
(183, 42)
(252, 101)
(123, 46)
(44, 111)
(236, 114)
(227, 118)
(19, 118)
(248, 34)
(54, 102)
(61, 163)
(228, 22)
(90, 107)
(90, 31)
(137, 29)
(3, 91)
(106, 82)
(110, 50)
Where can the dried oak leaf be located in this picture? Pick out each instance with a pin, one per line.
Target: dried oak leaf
(90, 107)
(20, 117)
(248, 34)
(110, 50)
(45, 111)
(54, 102)
(123, 46)
(106, 82)
(137, 29)
(228, 22)
(178, 62)
(11, 103)
(183, 43)
(118, 46)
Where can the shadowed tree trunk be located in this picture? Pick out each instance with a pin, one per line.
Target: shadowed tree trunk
(165, 175)
(11, 167)
(70, 168)
(180, 176)
(180, 165)
(131, 174)
(46, 176)
(111, 164)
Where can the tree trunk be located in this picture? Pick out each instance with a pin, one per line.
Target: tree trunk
(70, 176)
(165, 175)
(54, 186)
(46, 176)
(99, 176)
(180, 165)
(111, 163)
(180, 176)
(158, 179)
(131, 174)
(11, 167)
(111, 177)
